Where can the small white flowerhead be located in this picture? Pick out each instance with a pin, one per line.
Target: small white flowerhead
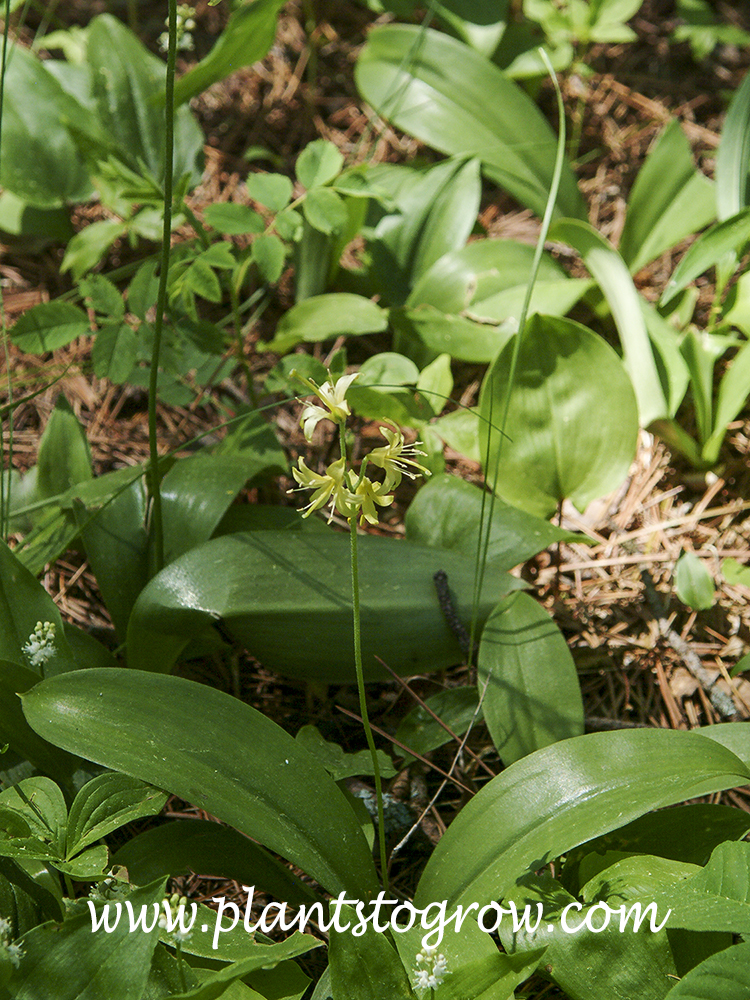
(434, 971)
(41, 644)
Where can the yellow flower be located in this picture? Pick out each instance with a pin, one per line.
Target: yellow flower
(396, 457)
(331, 487)
(332, 395)
(369, 494)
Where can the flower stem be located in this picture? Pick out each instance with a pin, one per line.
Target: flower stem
(361, 679)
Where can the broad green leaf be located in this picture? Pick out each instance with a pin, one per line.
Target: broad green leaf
(553, 449)
(273, 191)
(486, 280)
(20, 219)
(40, 164)
(325, 210)
(455, 100)
(116, 545)
(421, 732)
(126, 78)
(612, 276)
(735, 573)
(265, 956)
(708, 250)
(106, 803)
(196, 493)
(201, 846)
(52, 535)
(479, 23)
(670, 200)
(693, 583)
(323, 317)
(733, 155)
(18, 734)
(341, 765)
(69, 962)
(48, 326)
(531, 692)
(318, 163)
(269, 255)
(64, 453)
(435, 381)
(561, 796)
(464, 339)
(367, 967)
(735, 736)
(273, 791)
(23, 603)
(233, 219)
(245, 40)
(670, 363)
(447, 511)
(41, 804)
(717, 897)
(724, 976)
(265, 586)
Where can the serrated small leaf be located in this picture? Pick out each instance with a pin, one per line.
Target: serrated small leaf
(48, 326)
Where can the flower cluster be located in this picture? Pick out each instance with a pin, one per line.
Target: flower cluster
(169, 922)
(185, 25)
(434, 971)
(41, 644)
(13, 951)
(347, 493)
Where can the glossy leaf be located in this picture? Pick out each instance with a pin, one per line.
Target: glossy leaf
(274, 792)
(731, 398)
(199, 845)
(531, 692)
(733, 155)
(48, 326)
(68, 962)
(106, 803)
(421, 732)
(726, 237)
(267, 586)
(447, 512)
(367, 967)
(455, 100)
(341, 765)
(462, 338)
(669, 200)
(323, 317)
(724, 976)
(64, 453)
(610, 272)
(553, 449)
(693, 583)
(561, 796)
(41, 804)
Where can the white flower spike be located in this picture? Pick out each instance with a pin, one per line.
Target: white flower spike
(435, 969)
(41, 644)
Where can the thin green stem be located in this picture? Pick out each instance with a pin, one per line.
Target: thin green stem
(161, 301)
(361, 679)
(5, 493)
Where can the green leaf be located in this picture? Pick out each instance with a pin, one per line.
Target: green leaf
(40, 164)
(455, 100)
(561, 796)
(447, 513)
(670, 200)
(125, 79)
(201, 846)
(724, 976)
(269, 254)
(87, 247)
(436, 382)
(102, 296)
(46, 327)
(553, 448)
(264, 586)
(325, 210)
(274, 792)
(733, 155)
(233, 219)
(421, 732)
(274, 191)
(613, 277)
(479, 23)
(730, 400)
(532, 695)
(735, 573)
(693, 583)
(64, 453)
(114, 352)
(367, 967)
(318, 163)
(66, 961)
(324, 317)
(463, 339)
(41, 804)
(245, 40)
(23, 603)
(726, 237)
(106, 803)
(341, 765)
